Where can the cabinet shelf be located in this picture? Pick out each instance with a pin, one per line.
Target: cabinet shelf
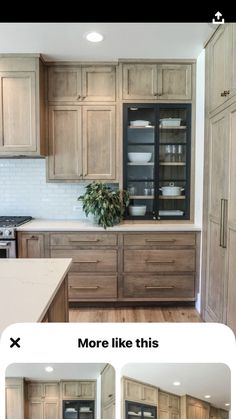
(140, 164)
(141, 127)
(172, 164)
(173, 128)
(172, 197)
(142, 197)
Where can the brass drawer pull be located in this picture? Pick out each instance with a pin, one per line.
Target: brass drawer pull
(87, 261)
(159, 287)
(84, 288)
(166, 262)
(160, 240)
(84, 241)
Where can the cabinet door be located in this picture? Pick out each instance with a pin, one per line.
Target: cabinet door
(98, 83)
(163, 414)
(163, 400)
(65, 143)
(149, 394)
(86, 389)
(108, 412)
(218, 187)
(108, 385)
(35, 410)
(17, 112)
(139, 81)
(132, 390)
(174, 81)
(70, 389)
(14, 402)
(174, 415)
(231, 245)
(64, 84)
(51, 390)
(220, 66)
(51, 410)
(35, 391)
(99, 142)
(31, 245)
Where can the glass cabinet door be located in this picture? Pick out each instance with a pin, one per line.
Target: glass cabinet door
(139, 168)
(86, 410)
(157, 160)
(142, 411)
(174, 161)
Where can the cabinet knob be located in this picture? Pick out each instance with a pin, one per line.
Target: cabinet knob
(157, 94)
(83, 97)
(78, 97)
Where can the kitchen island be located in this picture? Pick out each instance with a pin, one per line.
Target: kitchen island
(33, 290)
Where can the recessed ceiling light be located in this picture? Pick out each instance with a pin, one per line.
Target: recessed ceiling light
(49, 369)
(94, 37)
(176, 383)
(207, 396)
(227, 404)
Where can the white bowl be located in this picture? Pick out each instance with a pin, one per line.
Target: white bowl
(139, 123)
(139, 157)
(137, 209)
(170, 122)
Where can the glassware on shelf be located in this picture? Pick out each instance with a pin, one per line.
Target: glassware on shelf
(173, 154)
(132, 189)
(180, 153)
(168, 153)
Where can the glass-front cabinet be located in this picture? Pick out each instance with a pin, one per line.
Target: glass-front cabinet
(157, 156)
(140, 410)
(78, 409)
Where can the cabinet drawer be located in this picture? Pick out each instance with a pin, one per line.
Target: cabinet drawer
(88, 260)
(83, 239)
(160, 239)
(91, 286)
(159, 286)
(168, 260)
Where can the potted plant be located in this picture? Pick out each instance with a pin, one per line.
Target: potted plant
(106, 205)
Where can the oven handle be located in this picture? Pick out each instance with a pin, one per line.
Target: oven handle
(4, 244)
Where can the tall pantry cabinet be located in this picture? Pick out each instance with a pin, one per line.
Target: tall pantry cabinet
(219, 219)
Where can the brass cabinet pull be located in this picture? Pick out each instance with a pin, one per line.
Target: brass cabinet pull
(159, 287)
(225, 93)
(225, 219)
(34, 238)
(87, 261)
(221, 221)
(164, 262)
(157, 94)
(78, 97)
(84, 288)
(160, 240)
(84, 241)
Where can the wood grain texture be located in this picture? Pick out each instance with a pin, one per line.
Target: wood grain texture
(135, 314)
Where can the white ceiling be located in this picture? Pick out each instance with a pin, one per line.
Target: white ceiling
(196, 379)
(66, 41)
(61, 371)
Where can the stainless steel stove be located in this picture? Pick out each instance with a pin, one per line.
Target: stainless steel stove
(8, 227)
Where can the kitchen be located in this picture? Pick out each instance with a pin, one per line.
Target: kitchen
(68, 120)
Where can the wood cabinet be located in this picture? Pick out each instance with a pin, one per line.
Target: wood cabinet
(77, 390)
(140, 392)
(58, 310)
(168, 406)
(148, 81)
(31, 245)
(216, 413)
(14, 397)
(111, 266)
(219, 221)
(22, 106)
(95, 83)
(108, 393)
(197, 409)
(43, 400)
(82, 143)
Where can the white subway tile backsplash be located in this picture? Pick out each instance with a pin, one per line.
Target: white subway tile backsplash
(24, 191)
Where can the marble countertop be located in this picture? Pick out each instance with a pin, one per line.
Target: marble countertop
(72, 225)
(27, 288)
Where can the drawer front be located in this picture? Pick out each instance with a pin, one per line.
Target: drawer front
(91, 286)
(159, 286)
(88, 260)
(83, 239)
(168, 260)
(160, 239)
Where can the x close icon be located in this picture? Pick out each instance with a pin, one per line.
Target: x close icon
(15, 343)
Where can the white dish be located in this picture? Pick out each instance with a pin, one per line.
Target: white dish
(139, 157)
(71, 409)
(147, 414)
(171, 190)
(137, 210)
(84, 409)
(139, 123)
(171, 212)
(170, 122)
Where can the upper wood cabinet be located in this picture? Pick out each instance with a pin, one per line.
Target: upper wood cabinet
(197, 409)
(168, 406)
(22, 106)
(78, 84)
(140, 392)
(14, 396)
(156, 81)
(216, 413)
(82, 143)
(43, 390)
(78, 390)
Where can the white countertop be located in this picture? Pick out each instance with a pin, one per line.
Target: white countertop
(71, 225)
(27, 288)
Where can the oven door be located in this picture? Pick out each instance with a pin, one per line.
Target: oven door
(7, 249)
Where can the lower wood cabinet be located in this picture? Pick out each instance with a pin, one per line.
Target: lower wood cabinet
(58, 310)
(14, 396)
(120, 266)
(43, 399)
(43, 410)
